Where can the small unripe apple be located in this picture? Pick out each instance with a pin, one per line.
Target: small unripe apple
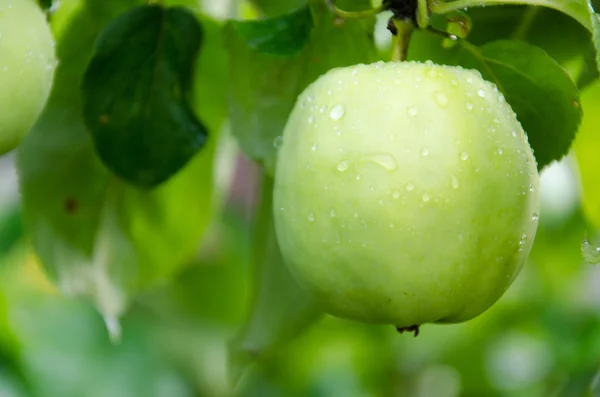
(27, 64)
(405, 193)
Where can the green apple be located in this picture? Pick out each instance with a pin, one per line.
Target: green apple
(27, 64)
(405, 193)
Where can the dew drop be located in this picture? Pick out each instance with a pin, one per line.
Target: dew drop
(481, 93)
(398, 81)
(535, 217)
(425, 151)
(440, 98)
(337, 112)
(454, 82)
(311, 217)
(432, 73)
(396, 194)
(392, 225)
(410, 187)
(310, 98)
(454, 182)
(332, 213)
(311, 119)
(314, 147)
(470, 80)
(356, 214)
(469, 105)
(464, 156)
(343, 165)
(354, 71)
(499, 150)
(358, 177)
(323, 109)
(514, 133)
(385, 160)
(412, 110)
(277, 142)
(426, 197)
(531, 188)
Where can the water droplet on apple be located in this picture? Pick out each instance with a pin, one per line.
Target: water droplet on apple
(311, 217)
(383, 159)
(396, 194)
(392, 225)
(358, 177)
(332, 213)
(469, 105)
(499, 150)
(311, 119)
(337, 112)
(412, 110)
(432, 73)
(323, 109)
(314, 147)
(425, 151)
(410, 187)
(455, 184)
(531, 188)
(426, 197)
(464, 156)
(343, 165)
(440, 98)
(277, 142)
(481, 93)
(535, 217)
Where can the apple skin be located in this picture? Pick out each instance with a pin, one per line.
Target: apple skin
(405, 193)
(27, 64)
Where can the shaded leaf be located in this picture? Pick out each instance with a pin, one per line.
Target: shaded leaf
(284, 35)
(538, 89)
(263, 87)
(281, 309)
(95, 235)
(576, 9)
(136, 91)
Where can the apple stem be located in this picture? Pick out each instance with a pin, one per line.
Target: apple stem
(402, 29)
(412, 328)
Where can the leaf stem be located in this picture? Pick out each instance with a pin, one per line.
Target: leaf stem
(524, 26)
(403, 30)
(445, 7)
(355, 14)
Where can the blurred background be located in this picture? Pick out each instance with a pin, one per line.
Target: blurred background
(541, 339)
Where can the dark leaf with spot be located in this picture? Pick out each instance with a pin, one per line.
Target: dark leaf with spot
(136, 91)
(538, 89)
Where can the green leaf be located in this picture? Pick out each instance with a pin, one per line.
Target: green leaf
(595, 21)
(587, 147)
(277, 7)
(142, 125)
(577, 9)
(538, 89)
(281, 309)
(264, 87)
(284, 35)
(95, 235)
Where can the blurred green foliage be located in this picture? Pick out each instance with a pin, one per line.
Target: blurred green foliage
(542, 339)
